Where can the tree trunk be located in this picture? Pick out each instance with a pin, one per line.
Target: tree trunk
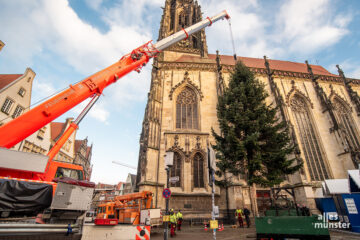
(227, 203)
(252, 195)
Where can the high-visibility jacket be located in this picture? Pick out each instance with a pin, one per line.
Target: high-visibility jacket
(238, 211)
(179, 215)
(173, 218)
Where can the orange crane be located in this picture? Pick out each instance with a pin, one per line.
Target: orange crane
(18, 129)
(124, 209)
(23, 126)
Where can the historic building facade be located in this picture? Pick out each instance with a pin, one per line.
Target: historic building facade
(322, 110)
(83, 154)
(15, 94)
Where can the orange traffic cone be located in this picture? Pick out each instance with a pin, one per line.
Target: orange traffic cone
(205, 227)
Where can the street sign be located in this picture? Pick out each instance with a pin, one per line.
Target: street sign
(166, 193)
(174, 179)
(214, 224)
(216, 211)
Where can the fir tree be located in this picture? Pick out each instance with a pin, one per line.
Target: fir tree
(253, 140)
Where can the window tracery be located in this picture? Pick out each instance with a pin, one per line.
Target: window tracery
(198, 170)
(309, 140)
(175, 170)
(343, 115)
(187, 110)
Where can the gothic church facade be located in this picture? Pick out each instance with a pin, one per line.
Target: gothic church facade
(322, 110)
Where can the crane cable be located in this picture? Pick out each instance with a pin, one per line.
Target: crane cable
(40, 101)
(232, 39)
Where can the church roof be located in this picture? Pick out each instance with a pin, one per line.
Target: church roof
(280, 65)
(6, 79)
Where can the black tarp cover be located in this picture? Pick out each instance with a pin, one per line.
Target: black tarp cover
(22, 196)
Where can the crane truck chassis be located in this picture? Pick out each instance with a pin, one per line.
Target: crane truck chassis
(68, 198)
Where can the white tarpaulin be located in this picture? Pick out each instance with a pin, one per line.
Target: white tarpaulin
(355, 176)
(212, 158)
(337, 186)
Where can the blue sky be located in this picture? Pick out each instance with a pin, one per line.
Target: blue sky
(64, 41)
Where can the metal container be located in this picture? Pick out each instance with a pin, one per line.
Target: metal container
(72, 197)
(303, 227)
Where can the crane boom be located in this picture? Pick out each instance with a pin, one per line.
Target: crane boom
(123, 164)
(18, 129)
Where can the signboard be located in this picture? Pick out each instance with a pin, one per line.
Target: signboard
(174, 179)
(216, 211)
(166, 218)
(169, 159)
(166, 193)
(350, 205)
(214, 224)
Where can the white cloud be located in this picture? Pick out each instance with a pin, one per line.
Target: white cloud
(94, 4)
(137, 13)
(308, 26)
(84, 46)
(52, 26)
(291, 28)
(42, 88)
(247, 25)
(350, 67)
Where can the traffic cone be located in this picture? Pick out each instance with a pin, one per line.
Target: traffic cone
(219, 228)
(222, 227)
(205, 227)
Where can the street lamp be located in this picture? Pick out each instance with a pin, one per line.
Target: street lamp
(169, 161)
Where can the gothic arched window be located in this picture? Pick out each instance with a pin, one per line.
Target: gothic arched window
(309, 141)
(172, 14)
(175, 170)
(187, 110)
(198, 170)
(182, 19)
(346, 121)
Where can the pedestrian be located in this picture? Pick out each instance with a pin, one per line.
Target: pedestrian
(238, 215)
(172, 223)
(305, 210)
(247, 216)
(179, 217)
(69, 230)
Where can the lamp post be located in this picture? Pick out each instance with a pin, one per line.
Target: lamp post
(169, 159)
(212, 167)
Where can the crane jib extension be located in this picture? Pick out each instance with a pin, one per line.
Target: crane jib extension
(18, 129)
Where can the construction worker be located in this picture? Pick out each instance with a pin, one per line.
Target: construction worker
(179, 217)
(247, 216)
(238, 215)
(172, 222)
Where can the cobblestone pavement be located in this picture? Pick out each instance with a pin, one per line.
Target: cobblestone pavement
(229, 233)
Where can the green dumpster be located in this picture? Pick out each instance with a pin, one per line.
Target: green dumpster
(281, 212)
(298, 227)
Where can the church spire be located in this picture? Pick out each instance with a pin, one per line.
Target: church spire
(180, 14)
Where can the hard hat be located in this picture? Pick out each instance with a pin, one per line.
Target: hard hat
(171, 210)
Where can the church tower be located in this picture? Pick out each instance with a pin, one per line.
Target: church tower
(320, 108)
(179, 14)
(172, 120)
